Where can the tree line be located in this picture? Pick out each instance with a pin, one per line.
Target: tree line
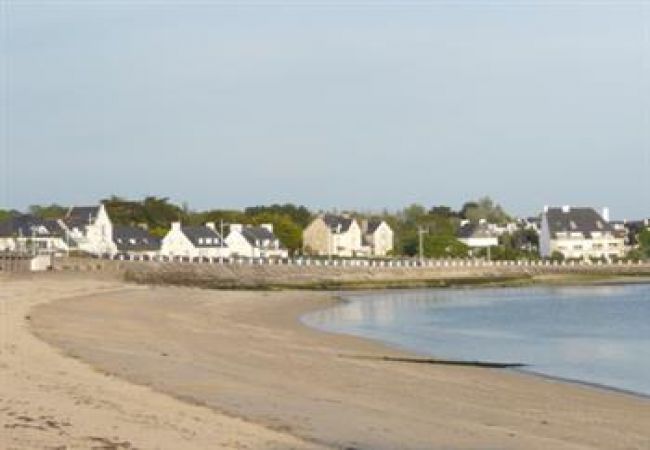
(438, 225)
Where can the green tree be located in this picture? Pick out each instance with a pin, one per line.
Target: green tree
(155, 212)
(52, 211)
(300, 215)
(484, 208)
(435, 246)
(413, 214)
(5, 214)
(643, 238)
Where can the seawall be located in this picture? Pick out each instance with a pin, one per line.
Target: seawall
(320, 275)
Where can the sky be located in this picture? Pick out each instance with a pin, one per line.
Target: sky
(330, 104)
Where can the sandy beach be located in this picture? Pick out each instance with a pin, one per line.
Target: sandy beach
(99, 363)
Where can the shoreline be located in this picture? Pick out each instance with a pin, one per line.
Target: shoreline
(419, 357)
(325, 387)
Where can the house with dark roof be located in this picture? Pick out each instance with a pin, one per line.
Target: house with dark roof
(193, 241)
(337, 235)
(89, 229)
(478, 234)
(135, 241)
(28, 233)
(377, 237)
(579, 233)
(255, 242)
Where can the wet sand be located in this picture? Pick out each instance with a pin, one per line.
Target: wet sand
(240, 371)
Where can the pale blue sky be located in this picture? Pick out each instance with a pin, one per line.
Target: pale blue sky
(359, 104)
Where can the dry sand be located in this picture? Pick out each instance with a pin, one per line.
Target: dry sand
(263, 380)
(48, 400)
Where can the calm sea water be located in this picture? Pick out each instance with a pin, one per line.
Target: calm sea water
(596, 334)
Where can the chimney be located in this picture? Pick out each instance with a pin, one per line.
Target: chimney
(566, 209)
(545, 209)
(236, 227)
(268, 226)
(211, 226)
(606, 214)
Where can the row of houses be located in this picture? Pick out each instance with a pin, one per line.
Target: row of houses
(90, 230)
(574, 232)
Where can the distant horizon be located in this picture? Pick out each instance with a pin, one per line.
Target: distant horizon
(364, 105)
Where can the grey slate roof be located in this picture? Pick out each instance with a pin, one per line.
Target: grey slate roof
(134, 239)
(198, 235)
(373, 225)
(80, 216)
(28, 225)
(475, 230)
(257, 235)
(339, 223)
(576, 220)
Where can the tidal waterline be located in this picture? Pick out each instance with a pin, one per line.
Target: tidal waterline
(592, 334)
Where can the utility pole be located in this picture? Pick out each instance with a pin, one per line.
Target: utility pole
(221, 241)
(421, 233)
(330, 231)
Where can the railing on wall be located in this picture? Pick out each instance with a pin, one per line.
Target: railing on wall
(393, 263)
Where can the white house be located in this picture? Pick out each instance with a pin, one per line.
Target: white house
(377, 236)
(193, 241)
(89, 229)
(255, 242)
(333, 235)
(478, 235)
(579, 233)
(30, 234)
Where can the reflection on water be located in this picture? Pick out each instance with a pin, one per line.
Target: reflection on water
(598, 334)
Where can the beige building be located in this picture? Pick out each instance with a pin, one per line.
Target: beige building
(377, 237)
(333, 235)
(343, 236)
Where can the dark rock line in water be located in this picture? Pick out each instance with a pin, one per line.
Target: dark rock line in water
(435, 361)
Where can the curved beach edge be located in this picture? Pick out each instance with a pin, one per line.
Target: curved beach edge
(246, 356)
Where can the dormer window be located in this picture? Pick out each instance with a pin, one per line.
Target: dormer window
(599, 224)
(201, 241)
(573, 225)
